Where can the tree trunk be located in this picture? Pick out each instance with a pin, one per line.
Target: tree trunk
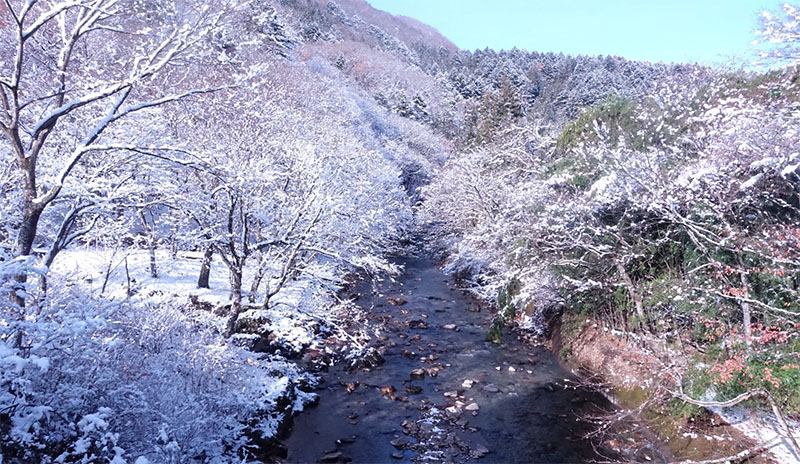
(205, 267)
(24, 243)
(635, 297)
(236, 306)
(42, 289)
(151, 244)
(262, 269)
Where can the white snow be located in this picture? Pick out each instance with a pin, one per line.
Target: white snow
(763, 427)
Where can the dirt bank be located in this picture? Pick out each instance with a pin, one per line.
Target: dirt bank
(635, 372)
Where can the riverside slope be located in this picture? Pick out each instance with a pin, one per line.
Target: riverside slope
(444, 394)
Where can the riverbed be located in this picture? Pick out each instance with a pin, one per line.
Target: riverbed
(445, 394)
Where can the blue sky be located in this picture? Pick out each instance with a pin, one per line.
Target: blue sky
(707, 31)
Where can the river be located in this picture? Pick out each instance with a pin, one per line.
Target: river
(444, 394)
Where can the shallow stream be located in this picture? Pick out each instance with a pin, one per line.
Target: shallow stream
(444, 394)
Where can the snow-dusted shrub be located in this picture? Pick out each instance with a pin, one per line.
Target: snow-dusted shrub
(97, 380)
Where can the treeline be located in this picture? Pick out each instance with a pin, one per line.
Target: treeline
(668, 206)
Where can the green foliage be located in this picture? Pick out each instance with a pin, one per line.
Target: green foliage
(614, 113)
(772, 85)
(729, 368)
(506, 310)
(495, 110)
(681, 408)
(495, 332)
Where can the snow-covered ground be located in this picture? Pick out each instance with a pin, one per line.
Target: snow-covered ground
(290, 318)
(148, 377)
(764, 428)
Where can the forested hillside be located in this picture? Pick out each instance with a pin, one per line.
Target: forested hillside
(187, 187)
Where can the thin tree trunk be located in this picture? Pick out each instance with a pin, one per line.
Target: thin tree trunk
(24, 244)
(205, 267)
(151, 244)
(127, 277)
(262, 269)
(42, 289)
(636, 298)
(236, 306)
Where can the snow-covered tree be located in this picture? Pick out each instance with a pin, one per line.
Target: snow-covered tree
(106, 62)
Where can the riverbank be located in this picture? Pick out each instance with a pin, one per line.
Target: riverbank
(633, 371)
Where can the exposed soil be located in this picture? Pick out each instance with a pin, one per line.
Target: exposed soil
(632, 370)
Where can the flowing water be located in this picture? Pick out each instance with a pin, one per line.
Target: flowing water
(526, 410)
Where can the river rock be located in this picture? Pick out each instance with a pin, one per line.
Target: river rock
(417, 324)
(472, 407)
(398, 301)
(449, 326)
(397, 455)
(418, 374)
(413, 390)
(410, 427)
(400, 443)
(350, 386)
(479, 452)
(433, 371)
(338, 456)
(467, 383)
(490, 388)
(451, 394)
(388, 390)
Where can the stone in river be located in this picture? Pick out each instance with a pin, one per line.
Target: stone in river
(490, 388)
(467, 383)
(479, 452)
(449, 327)
(400, 443)
(388, 390)
(472, 407)
(417, 324)
(418, 374)
(335, 457)
(433, 371)
(399, 301)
